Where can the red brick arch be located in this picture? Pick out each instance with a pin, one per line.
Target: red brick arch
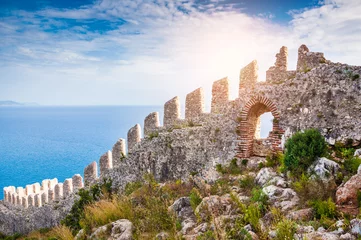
(248, 120)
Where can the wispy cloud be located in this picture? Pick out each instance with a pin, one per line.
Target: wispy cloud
(145, 51)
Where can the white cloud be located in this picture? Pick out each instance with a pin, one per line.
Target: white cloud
(165, 48)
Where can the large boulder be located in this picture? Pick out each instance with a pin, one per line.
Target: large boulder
(284, 198)
(217, 205)
(184, 212)
(346, 195)
(118, 230)
(264, 176)
(355, 225)
(357, 153)
(324, 168)
(301, 215)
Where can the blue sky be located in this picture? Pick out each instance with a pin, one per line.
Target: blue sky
(144, 52)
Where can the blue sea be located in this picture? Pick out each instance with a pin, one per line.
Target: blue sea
(38, 143)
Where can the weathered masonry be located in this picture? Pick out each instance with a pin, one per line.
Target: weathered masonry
(318, 94)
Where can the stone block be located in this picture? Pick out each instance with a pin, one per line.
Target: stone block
(106, 162)
(248, 76)
(52, 183)
(77, 182)
(36, 188)
(24, 201)
(58, 192)
(45, 197)
(195, 103)
(90, 174)
(171, 112)
(37, 200)
(67, 187)
(31, 201)
(118, 152)
(134, 137)
(151, 123)
(220, 95)
(51, 195)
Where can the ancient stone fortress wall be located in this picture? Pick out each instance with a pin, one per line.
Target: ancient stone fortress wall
(36, 195)
(318, 94)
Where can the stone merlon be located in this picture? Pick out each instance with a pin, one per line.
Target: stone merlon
(220, 95)
(248, 75)
(151, 123)
(171, 112)
(194, 103)
(133, 137)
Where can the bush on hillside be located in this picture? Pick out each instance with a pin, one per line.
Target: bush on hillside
(302, 149)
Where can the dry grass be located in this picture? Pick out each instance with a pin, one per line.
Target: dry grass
(61, 233)
(104, 212)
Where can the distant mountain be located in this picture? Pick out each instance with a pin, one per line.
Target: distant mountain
(13, 103)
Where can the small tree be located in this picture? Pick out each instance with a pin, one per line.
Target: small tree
(302, 149)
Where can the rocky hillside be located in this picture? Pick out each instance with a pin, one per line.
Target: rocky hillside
(312, 191)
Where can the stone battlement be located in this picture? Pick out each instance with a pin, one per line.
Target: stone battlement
(36, 195)
(300, 99)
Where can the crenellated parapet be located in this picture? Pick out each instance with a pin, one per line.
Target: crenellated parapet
(134, 137)
(36, 195)
(151, 123)
(171, 112)
(220, 95)
(194, 104)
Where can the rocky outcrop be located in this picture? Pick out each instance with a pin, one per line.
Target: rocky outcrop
(346, 195)
(324, 168)
(184, 212)
(119, 230)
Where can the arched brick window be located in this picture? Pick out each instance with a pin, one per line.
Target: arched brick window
(249, 119)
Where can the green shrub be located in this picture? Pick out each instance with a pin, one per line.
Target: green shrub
(232, 168)
(259, 197)
(13, 237)
(356, 76)
(238, 231)
(153, 135)
(274, 159)
(285, 230)
(244, 162)
(247, 183)
(87, 197)
(324, 209)
(220, 187)
(195, 198)
(209, 235)
(313, 189)
(252, 216)
(302, 149)
(131, 187)
(351, 165)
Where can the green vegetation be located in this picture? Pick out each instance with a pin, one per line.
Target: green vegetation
(274, 159)
(285, 230)
(302, 149)
(87, 197)
(324, 208)
(153, 135)
(195, 198)
(355, 77)
(313, 189)
(232, 168)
